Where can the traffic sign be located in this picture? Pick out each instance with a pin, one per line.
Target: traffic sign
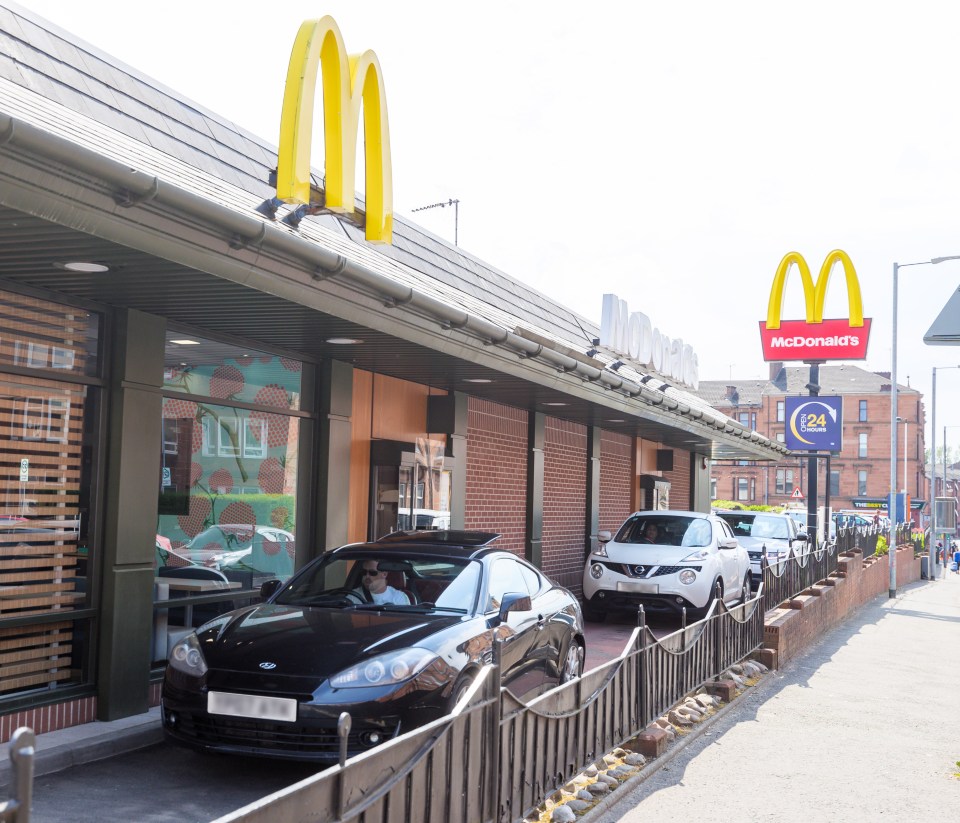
(797, 494)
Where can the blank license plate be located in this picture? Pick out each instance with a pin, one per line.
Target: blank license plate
(638, 587)
(252, 705)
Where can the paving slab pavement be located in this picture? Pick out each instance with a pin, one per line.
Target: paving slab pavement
(861, 727)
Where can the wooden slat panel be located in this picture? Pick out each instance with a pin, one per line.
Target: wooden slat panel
(34, 659)
(39, 562)
(34, 680)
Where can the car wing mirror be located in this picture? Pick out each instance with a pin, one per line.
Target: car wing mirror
(728, 543)
(802, 536)
(513, 602)
(604, 536)
(269, 588)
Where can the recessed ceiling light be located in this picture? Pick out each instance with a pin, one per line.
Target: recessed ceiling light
(343, 341)
(186, 342)
(476, 380)
(616, 420)
(83, 266)
(555, 404)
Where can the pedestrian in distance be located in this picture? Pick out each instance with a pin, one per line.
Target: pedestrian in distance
(955, 565)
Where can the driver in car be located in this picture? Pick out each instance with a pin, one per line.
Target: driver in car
(374, 588)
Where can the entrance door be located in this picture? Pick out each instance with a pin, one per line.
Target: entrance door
(410, 489)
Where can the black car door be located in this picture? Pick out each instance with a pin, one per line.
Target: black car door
(519, 632)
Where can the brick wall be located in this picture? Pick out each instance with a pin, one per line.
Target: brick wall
(564, 501)
(44, 719)
(679, 480)
(497, 472)
(616, 479)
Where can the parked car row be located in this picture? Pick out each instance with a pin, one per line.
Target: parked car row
(392, 631)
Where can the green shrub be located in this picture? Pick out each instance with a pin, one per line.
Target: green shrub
(881, 546)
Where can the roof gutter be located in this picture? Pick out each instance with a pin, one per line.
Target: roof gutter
(130, 188)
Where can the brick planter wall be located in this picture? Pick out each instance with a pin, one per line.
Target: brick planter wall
(791, 628)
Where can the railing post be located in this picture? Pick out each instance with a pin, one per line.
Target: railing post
(494, 711)
(718, 616)
(343, 732)
(23, 746)
(643, 700)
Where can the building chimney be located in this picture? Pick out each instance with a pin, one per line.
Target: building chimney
(776, 366)
(732, 394)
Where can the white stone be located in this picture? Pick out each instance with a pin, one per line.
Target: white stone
(591, 771)
(606, 778)
(609, 760)
(580, 805)
(679, 719)
(563, 814)
(583, 794)
(618, 752)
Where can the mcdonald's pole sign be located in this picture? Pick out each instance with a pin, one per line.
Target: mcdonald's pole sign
(347, 82)
(815, 338)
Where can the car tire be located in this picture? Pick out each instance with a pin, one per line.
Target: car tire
(573, 663)
(746, 590)
(593, 615)
(459, 690)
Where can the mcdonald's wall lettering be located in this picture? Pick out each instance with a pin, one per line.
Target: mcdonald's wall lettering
(815, 338)
(347, 82)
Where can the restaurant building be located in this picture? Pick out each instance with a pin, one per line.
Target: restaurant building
(196, 396)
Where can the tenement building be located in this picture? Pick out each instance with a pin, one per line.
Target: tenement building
(859, 474)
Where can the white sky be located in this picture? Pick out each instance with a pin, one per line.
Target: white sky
(671, 153)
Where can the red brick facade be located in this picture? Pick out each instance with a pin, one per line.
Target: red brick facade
(564, 501)
(497, 472)
(616, 479)
(680, 483)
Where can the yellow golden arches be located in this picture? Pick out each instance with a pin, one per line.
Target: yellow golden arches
(348, 83)
(815, 294)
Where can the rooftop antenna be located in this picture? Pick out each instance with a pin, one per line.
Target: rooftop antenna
(456, 215)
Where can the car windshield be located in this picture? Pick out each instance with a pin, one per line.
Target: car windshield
(664, 530)
(376, 581)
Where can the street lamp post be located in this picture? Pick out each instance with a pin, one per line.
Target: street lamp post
(892, 549)
(932, 547)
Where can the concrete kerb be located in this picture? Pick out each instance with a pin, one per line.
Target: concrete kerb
(86, 743)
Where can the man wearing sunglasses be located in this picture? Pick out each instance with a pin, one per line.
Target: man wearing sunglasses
(374, 588)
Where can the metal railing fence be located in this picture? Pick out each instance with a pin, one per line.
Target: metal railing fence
(789, 577)
(495, 757)
(23, 746)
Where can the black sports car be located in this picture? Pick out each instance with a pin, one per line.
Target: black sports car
(390, 631)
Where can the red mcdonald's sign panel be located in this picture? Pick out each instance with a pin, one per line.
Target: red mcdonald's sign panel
(815, 338)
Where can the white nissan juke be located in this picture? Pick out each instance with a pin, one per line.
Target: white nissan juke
(665, 561)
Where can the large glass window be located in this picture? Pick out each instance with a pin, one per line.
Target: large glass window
(784, 481)
(834, 483)
(861, 482)
(227, 507)
(862, 445)
(863, 411)
(47, 448)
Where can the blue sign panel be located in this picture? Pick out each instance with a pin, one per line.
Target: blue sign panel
(814, 423)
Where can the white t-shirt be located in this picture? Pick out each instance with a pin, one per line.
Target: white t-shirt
(388, 595)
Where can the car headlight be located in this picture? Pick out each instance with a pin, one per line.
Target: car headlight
(186, 657)
(384, 669)
(687, 576)
(600, 550)
(700, 554)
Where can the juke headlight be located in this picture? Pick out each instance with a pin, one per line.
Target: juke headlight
(384, 669)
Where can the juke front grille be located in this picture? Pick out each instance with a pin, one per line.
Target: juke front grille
(648, 571)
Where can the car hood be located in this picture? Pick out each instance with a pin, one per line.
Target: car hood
(649, 555)
(755, 544)
(313, 641)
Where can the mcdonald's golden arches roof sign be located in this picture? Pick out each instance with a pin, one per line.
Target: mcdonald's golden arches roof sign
(347, 82)
(815, 338)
